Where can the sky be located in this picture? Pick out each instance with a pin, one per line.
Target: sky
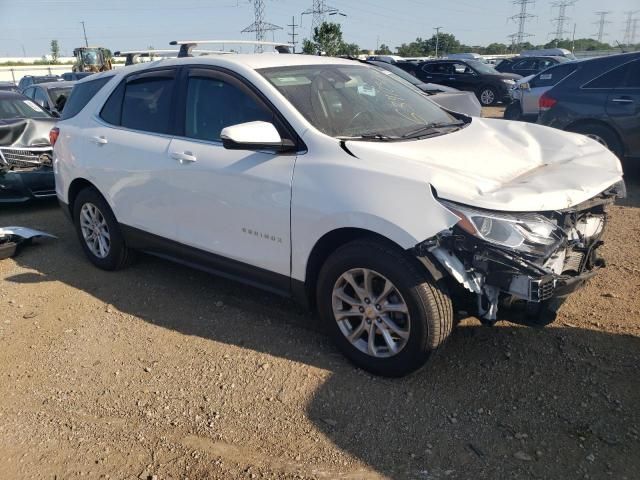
(30, 25)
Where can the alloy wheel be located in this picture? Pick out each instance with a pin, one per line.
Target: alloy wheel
(371, 313)
(95, 230)
(487, 97)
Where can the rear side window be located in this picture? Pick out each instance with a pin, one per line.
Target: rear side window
(553, 75)
(632, 79)
(146, 103)
(81, 94)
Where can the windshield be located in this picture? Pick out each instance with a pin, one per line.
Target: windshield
(482, 67)
(347, 101)
(20, 108)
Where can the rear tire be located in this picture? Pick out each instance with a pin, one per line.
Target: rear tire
(409, 323)
(99, 232)
(513, 111)
(601, 134)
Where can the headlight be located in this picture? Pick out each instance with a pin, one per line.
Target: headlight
(528, 233)
(508, 81)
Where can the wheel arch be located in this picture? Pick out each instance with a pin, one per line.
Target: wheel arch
(600, 123)
(76, 186)
(323, 248)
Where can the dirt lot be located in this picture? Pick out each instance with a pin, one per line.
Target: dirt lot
(163, 372)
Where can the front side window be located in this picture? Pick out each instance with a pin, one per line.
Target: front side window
(213, 104)
(527, 64)
(356, 101)
(462, 69)
(147, 104)
(438, 68)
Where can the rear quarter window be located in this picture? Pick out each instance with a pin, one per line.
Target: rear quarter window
(82, 94)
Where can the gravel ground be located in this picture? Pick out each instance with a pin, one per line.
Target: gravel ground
(163, 372)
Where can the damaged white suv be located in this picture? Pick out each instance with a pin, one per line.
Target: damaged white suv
(329, 181)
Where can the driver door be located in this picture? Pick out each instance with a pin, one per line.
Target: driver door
(233, 204)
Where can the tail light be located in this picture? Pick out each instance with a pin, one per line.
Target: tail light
(546, 102)
(53, 135)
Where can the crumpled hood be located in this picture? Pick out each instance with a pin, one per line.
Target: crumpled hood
(503, 165)
(25, 132)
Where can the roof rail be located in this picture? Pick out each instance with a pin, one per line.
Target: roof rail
(187, 46)
(133, 55)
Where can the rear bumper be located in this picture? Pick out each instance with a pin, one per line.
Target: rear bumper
(22, 186)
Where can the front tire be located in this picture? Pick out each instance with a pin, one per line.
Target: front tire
(98, 231)
(384, 311)
(488, 96)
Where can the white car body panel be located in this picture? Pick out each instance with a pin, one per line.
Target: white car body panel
(520, 167)
(383, 188)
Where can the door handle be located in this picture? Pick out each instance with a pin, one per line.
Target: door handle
(451, 78)
(622, 100)
(184, 157)
(101, 140)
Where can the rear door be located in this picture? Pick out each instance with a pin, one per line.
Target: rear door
(436, 72)
(234, 204)
(463, 77)
(127, 152)
(623, 106)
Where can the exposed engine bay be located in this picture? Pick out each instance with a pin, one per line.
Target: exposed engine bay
(523, 264)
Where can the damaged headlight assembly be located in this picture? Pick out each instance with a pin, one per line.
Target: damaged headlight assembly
(530, 234)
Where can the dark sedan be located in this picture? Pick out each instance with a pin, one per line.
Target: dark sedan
(601, 99)
(489, 85)
(25, 152)
(526, 66)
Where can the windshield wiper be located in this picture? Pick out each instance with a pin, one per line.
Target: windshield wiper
(431, 127)
(370, 136)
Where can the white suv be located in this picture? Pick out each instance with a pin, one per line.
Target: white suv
(327, 180)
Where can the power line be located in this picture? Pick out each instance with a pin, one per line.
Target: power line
(562, 17)
(293, 33)
(634, 29)
(601, 23)
(521, 18)
(259, 26)
(319, 12)
(629, 32)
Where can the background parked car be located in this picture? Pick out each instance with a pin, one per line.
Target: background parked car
(25, 151)
(489, 85)
(528, 65)
(8, 87)
(600, 99)
(50, 96)
(528, 90)
(29, 80)
(70, 76)
(446, 97)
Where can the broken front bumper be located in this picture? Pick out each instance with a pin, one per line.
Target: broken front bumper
(524, 287)
(25, 174)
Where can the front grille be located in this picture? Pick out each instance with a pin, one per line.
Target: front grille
(21, 158)
(541, 289)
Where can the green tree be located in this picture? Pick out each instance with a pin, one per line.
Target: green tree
(55, 51)
(308, 47)
(495, 49)
(327, 38)
(383, 50)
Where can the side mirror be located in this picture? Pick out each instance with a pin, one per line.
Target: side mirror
(254, 136)
(525, 86)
